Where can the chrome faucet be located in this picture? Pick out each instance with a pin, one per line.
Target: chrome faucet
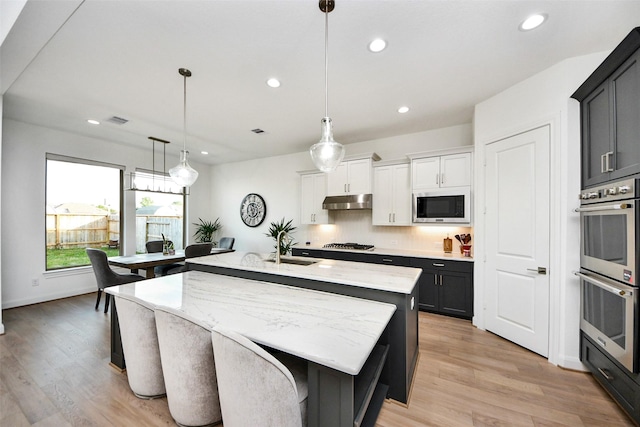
(278, 245)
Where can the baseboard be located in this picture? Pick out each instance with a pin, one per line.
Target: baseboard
(572, 363)
(48, 297)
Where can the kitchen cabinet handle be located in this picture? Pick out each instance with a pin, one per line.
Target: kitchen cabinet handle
(435, 264)
(437, 179)
(345, 188)
(389, 217)
(441, 178)
(605, 374)
(602, 163)
(394, 217)
(387, 260)
(441, 280)
(608, 156)
(305, 253)
(435, 279)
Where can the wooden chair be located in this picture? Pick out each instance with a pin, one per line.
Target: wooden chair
(105, 276)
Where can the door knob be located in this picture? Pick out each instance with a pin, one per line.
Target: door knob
(539, 270)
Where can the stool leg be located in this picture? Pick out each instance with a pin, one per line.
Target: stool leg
(98, 300)
(106, 302)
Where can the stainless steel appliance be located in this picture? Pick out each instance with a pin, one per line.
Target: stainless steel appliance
(354, 246)
(609, 238)
(608, 316)
(451, 205)
(609, 290)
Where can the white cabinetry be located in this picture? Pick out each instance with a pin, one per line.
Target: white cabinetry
(452, 170)
(350, 177)
(313, 191)
(391, 195)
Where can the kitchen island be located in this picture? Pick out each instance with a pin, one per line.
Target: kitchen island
(389, 284)
(339, 336)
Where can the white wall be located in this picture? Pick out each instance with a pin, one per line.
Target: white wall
(1, 324)
(277, 181)
(9, 11)
(543, 99)
(23, 208)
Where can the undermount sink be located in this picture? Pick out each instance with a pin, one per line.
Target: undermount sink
(295, 261)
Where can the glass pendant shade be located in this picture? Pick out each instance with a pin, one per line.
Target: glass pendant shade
(327, 153)
(183, 174)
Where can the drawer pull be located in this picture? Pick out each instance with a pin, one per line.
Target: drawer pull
(605, 374)
(387, 260)
(305, 253)
(435, 264)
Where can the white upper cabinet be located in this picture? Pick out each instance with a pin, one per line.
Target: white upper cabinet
(351, 177)
(453, 170)
(391, 195)
(314, 190)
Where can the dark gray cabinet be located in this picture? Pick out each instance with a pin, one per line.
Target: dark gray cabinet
(446, 287)
(610, 115)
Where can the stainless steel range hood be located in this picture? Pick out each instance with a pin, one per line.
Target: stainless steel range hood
(352, 202)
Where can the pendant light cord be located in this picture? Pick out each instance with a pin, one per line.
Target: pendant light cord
(326, 61)
(184, 117)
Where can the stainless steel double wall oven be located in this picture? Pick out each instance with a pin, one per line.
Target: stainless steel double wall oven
(609, 221)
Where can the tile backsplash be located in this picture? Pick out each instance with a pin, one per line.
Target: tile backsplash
(355, 226)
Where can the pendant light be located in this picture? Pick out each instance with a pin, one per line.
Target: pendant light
(183, 174)
(326, 153)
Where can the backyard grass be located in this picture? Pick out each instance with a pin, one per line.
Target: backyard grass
(73, 257)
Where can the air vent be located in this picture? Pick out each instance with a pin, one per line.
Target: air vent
(257, 130)
(117, 120)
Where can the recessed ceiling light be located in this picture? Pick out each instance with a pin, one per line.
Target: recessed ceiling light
(377, 45)
(93, 122)
(273, 82)
(532, 22)
(403, 109)
(204, 152)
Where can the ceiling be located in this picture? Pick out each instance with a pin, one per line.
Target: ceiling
(98, 59)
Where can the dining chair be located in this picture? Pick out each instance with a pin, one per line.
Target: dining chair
(226, 242)
(188, 366)
(105, 276)
(156, 246)
(257, 388)
(140, 347)
(192, 251)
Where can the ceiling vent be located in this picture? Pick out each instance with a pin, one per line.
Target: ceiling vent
(257, 130)
(117, 120)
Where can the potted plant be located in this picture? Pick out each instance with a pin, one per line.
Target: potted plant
(167, 246)
(205, 231)
(286, 241)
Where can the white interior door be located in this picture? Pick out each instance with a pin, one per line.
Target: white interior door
(517, 239)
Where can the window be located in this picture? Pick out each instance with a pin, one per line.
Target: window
(159, 209)
(83, 209)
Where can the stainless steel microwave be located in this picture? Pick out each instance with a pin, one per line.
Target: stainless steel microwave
(445, 205)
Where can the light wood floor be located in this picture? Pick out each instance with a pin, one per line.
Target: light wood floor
(54, 372)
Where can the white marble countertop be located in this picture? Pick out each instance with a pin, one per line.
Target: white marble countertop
(336, 331)
(375, 276)
(453, 256)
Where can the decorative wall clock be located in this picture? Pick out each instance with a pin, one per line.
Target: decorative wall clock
(253, 210)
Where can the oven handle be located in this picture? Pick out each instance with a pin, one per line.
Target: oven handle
(603, 285)
(604, 208)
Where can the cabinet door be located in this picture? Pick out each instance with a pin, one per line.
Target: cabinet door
(456, 294)
(596, 136)
(401, 195)
(307, 199)
(320, 216)
(382, 209)
(425, 173)
(337, 181)
(359, 176)
(625, 99)
(455, 170)
(428, 290)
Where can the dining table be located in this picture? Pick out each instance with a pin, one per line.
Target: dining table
(148, 262)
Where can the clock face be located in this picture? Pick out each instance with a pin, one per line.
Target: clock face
(253, 210)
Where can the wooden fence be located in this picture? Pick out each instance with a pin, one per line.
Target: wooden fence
(66, 231)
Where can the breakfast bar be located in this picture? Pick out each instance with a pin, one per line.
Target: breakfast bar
(341, 337)
(384, 283)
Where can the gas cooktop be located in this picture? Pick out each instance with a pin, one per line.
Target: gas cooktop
(356, 246)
